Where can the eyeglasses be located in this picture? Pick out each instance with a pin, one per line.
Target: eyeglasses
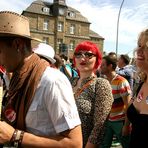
(87, 55)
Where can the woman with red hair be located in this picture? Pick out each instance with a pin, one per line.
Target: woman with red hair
(93, 95)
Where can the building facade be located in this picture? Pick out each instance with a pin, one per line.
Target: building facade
(59, 25)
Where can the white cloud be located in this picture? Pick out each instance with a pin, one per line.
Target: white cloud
(12, 5)
(103, 17)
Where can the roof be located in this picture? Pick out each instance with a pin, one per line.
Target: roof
(78, 16)
(38, 5)
(94, 34)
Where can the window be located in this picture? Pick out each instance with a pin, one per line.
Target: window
(45, 40)
(71, 14)
(72, 29)
(59, 43)
(46, 9)
(71, 45)
(45, 24)
(60, 26)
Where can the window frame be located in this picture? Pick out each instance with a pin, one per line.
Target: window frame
(45, 24)
(60, 27)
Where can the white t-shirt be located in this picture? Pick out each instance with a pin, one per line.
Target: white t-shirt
(53, 109)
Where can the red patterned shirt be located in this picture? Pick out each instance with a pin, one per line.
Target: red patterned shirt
(120, 90)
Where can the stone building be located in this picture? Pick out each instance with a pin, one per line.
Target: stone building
(59, 25)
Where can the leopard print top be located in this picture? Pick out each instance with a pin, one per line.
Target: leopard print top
(94, 105)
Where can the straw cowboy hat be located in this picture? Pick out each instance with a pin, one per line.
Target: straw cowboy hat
(13, 24)
(45, 51)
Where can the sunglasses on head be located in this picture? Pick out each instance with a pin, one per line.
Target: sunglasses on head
(86, 55)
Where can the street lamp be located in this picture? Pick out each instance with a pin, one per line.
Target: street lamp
(118, 27)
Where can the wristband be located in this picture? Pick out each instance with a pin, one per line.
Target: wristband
(17, 138)
(21, 138)
(14, 136)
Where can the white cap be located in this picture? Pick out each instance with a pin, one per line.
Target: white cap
(45, 51)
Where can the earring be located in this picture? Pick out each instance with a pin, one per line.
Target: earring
(18, 50)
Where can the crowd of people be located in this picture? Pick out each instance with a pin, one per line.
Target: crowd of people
(49, 102)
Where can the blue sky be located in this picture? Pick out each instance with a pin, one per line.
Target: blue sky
(103, 16)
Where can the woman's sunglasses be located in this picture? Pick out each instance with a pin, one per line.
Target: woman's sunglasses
(87, 55)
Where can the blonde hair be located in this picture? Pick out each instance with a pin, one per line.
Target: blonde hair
(143, 37)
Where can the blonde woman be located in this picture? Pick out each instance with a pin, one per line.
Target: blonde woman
(138, 110)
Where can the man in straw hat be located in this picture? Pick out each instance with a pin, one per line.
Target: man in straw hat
(40, 110)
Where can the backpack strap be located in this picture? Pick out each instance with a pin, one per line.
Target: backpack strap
(79, 91)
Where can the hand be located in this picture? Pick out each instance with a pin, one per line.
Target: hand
(6, 132)
(90, 145)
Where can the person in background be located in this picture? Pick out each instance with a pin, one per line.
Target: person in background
(2, 79)
(112, 54)
(117, 122)
(124, 69)
(58, 62)
(137, 112)
(5, 79)
(67, 69)
(46, 52)
(115, 141)
(98, 72)
(38, 112)
(93, 95)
